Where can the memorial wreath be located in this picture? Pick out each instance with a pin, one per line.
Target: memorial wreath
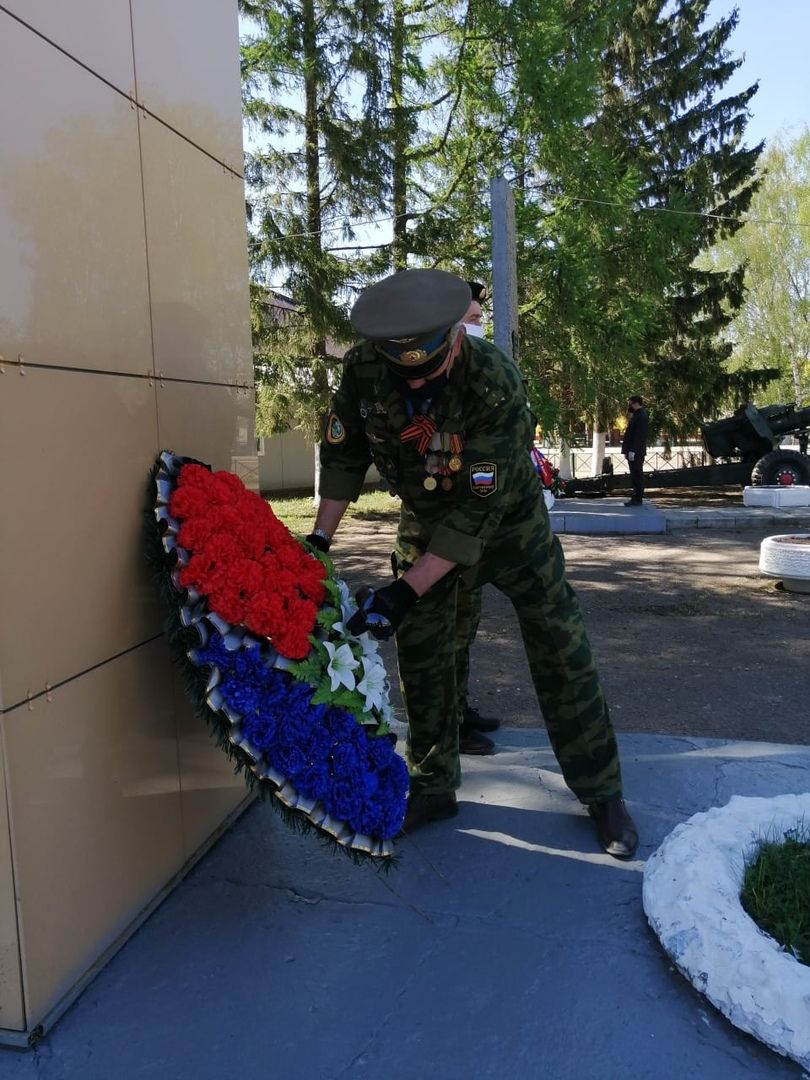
(258, 624)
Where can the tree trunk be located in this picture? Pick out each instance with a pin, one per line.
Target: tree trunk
(312, 153)
(399, 162)
(565, 461)
(598, 444)
(316, 498)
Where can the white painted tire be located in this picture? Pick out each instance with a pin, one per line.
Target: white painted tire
(788, 558)
(691, 898)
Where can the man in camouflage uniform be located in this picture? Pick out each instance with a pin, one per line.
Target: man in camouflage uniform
(445, 419)
(472, 725)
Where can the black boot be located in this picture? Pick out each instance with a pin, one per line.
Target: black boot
(617, 831)
(474, 719)
(471, 741)
(422, 809)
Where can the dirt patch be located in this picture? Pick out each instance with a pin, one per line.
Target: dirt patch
(689, 638)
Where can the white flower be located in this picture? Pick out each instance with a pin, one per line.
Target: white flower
(369, 645)
(341, 665)
(347, 605)
(373, 686)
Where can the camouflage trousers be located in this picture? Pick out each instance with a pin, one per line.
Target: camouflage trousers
(410, 545)
(525, 561)
(468, 616)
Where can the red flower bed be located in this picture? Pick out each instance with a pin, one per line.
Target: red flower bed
(247, 564)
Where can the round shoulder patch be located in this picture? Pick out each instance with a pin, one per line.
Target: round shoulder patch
(335, 431)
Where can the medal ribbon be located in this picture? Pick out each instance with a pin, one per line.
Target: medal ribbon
(419, 431)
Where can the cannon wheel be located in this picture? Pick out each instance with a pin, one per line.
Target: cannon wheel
(781, 467)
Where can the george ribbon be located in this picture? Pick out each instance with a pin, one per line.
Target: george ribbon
(419, 431)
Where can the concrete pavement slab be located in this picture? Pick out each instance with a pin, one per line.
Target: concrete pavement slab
(505, 945)
(607, 516)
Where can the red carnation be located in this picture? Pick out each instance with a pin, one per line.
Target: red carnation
(245, 561)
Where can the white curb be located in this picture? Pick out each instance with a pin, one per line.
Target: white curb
(691, 897)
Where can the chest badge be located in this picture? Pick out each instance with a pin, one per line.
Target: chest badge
(484, 478)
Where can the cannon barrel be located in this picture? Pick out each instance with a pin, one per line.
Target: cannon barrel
(752, 432)
(792, 419)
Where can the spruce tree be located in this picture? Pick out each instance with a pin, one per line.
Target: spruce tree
(664, 99)
(313, 98)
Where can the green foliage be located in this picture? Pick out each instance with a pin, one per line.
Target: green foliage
(776, 890)
(772, 327)
(297, 513)
(616, 306)
(690, 140)
(611, 123)
(315, 167)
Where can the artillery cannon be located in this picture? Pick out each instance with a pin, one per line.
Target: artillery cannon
(746, 449)
(754, 435)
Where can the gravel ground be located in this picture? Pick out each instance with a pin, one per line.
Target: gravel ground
(689, 638)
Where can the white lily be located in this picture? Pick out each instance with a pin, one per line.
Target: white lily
(347, 605)
(373, 686)
(341, 666)
(369, 645)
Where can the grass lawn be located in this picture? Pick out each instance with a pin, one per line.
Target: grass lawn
(298, 511)
(776, 891)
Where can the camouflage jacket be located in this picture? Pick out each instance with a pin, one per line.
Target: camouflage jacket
(483, 408)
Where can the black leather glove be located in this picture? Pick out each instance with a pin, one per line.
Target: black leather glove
(319, 542)
(380, 611)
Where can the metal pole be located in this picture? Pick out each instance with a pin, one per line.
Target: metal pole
(504, 266)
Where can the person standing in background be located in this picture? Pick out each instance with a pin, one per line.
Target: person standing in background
(634, 447)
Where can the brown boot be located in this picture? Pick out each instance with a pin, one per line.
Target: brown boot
(617, 831)
(422, 809)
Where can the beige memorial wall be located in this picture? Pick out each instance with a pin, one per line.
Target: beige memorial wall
(123, 330)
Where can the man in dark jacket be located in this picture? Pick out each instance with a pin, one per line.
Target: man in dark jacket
(634, 447)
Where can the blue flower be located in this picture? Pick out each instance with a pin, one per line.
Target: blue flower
(315, 780)
(295, 729)
(343, 727)
(323, 750)
(344, 801)
(380, 752)
(243, 697)
(288, 759)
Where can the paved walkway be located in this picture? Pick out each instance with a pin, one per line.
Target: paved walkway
(505, 946)
(609, 516)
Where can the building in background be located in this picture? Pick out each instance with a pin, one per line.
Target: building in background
(124, 330)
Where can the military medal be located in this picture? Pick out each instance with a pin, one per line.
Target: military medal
(429, 483)
(454, 464)
(447, 483)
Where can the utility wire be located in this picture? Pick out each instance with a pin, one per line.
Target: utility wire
(685, 213)
(571, 198)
